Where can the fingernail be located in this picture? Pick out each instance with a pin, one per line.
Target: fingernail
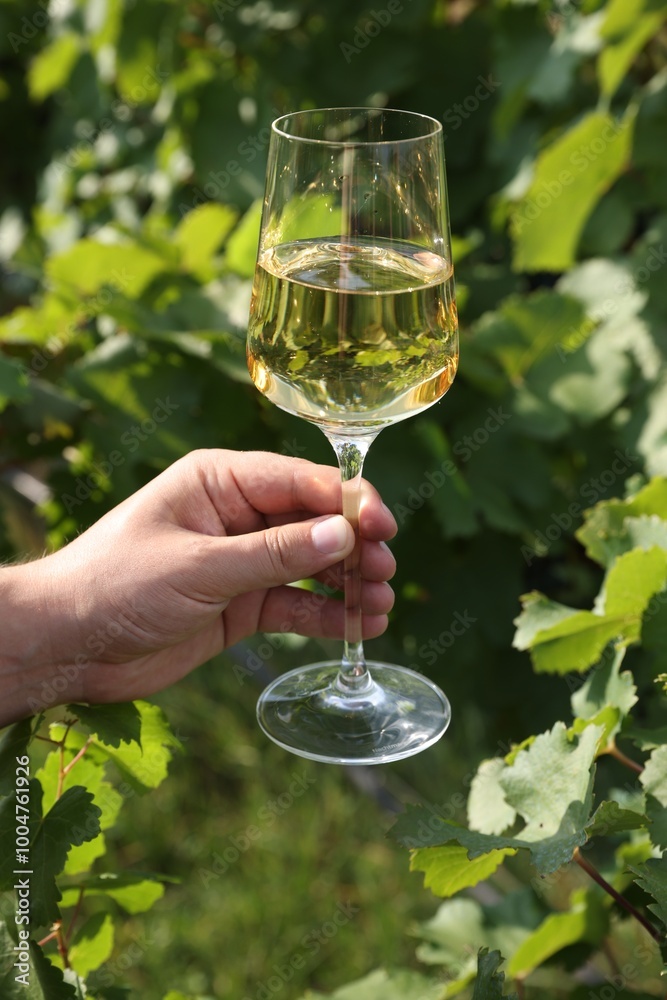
(330, 536)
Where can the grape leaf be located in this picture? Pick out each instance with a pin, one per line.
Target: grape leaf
(73, 819)
(142, 766)
(135, 892)
(52, 66)
(654, 782)
(448, 869)
(93, 944)
(489, 982)
(88, 265)
(90, 774)
(604, 532)
(538, 614)
(525, 329)
(652, 877)
(610, 818)
(567, 184)
(201, 232)
(14, 743)
(112, 724)
(550, 784)
(488, 811)
(633, 580)
(627, 26)
(241, 249)
(586, 920)
(605, 685)
(45, 981)
(577, 641)
(13, 383)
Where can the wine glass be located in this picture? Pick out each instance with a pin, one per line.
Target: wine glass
(352, 327)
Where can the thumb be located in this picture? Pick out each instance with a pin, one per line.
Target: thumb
(279, 555)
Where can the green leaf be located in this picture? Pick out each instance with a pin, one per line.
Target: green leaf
(111, 724)
(574, 644)
(241, 255)
(526, 329)
(606, 686)
(90, 774)
(652, 877)
(538, 615)
(145, 766)
(586, 921)
(570, 177)
(577, 641)
(88, 266)
(633, 580)
(654, 782)
(13, 383)
(489, 982)
(73, 819)
(604, 532)
(93, 944)
(135, 892)
(43, 980)
(13, 743)
(550, 785)
(627, 26)
(488, 811)
(200, 233)
(52, 66)
(610, 818)
(51, 980)
(448, 869)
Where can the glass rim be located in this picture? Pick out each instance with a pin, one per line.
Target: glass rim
(435, 128)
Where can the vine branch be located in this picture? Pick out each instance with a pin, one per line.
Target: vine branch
(621, 900)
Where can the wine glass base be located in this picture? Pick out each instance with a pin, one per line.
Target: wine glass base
(396, 713)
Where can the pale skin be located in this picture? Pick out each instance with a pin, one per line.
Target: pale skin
(191, 564)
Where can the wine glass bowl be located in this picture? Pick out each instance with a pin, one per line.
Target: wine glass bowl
(353, 327)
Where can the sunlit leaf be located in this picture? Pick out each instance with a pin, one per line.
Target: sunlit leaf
(51, 68)
(571, 175)
(92, 944)
(448, 869)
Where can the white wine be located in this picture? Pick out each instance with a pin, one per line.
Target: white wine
(352, 332)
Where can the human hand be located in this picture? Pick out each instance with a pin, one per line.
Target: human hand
(192, 563)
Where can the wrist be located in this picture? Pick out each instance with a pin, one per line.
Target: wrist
(31, 679)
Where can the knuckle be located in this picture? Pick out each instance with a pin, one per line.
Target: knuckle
(278, 551)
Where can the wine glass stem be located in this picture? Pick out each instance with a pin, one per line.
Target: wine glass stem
(351, 455)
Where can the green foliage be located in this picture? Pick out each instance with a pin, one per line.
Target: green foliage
(70, 801)
(129, 213)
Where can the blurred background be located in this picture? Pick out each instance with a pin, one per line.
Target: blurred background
(134, 141)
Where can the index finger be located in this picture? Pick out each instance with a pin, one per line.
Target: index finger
(284, 488)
